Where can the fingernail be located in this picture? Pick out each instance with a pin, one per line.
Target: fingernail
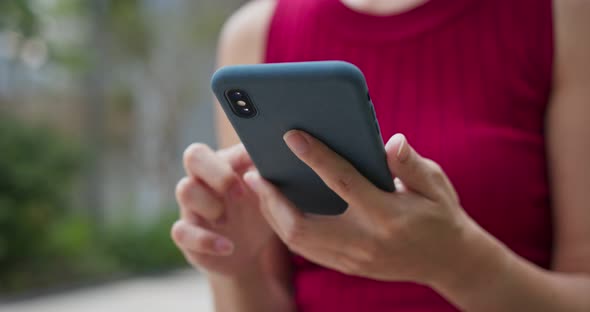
(223, 246)
(403, 150)
(401, 145)
(296, 142)
(252, 179)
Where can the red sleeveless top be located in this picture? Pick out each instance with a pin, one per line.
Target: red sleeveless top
(468, 83)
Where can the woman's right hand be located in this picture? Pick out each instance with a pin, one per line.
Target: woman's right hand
(221, 230)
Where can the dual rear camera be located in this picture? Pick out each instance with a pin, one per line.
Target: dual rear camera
(240, 103)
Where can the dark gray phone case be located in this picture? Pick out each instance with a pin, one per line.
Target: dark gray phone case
(330, 101)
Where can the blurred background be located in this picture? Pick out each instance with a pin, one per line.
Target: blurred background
(98, 99)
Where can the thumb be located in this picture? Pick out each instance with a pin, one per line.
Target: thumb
(417, 173)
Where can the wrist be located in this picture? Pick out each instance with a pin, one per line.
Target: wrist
(479, 261)
(239, 278)
(251, 290)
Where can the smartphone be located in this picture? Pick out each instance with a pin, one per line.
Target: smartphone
(328, 100)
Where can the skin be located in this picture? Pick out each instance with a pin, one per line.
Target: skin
(235, 226)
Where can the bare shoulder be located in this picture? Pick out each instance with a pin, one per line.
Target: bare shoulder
(572, 33)
(243, 37)
(242, 41)
(567, 132)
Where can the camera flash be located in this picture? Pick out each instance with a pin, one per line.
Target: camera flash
(241, 103)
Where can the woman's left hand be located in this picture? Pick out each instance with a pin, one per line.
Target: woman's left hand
(414, 234)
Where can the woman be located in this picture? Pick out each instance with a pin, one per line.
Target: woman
(495, 92)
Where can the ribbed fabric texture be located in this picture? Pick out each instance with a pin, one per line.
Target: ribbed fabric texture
(468, 82)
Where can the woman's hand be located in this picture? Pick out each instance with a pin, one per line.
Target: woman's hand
(413, 234)
(221, 230)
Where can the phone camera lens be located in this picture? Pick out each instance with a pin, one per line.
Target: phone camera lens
(235, 95)
(240, 103)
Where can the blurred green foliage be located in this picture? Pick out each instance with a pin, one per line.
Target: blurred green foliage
(36, 171)
(131, 30)
(43, 241)
(138, 248)
(17, 14)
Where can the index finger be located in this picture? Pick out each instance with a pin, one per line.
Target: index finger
(338, 174)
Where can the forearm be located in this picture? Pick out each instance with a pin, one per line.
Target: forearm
(256, 292)
(490, 277)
